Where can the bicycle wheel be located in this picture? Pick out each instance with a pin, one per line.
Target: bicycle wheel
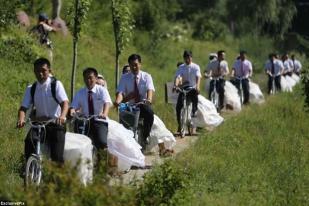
(183, 121)
(33, 171)
(188, 122)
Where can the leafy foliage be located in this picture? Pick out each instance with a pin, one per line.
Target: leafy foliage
(7, 12)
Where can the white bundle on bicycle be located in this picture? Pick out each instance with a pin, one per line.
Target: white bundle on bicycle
(207, 114)
(231, 96)
(78, 150)
(160, 134)
(121, 143)
(285, 86)
(290, 81)
(256, 95)
(295, 77)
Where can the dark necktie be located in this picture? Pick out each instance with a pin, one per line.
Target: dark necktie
(218, 68)
(272, 67)
(90, 103)
(294, 69)
(242, 68)
(136, 91)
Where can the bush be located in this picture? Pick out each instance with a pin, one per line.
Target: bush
(162, 184)
(7, 12)
(19, 49)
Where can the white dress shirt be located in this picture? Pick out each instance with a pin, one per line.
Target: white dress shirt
(100, 97)
(44, 102)
(144, 83)
(242, 69)
(213, 67)
(277, 64)
(296, 65)
(287, 66)
(189, 73)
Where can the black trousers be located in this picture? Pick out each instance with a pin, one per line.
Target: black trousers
(146, 113)
(245, 87)
(54, 139)
(192, 96)
(98, 133)
(220, 89)
(277, 82)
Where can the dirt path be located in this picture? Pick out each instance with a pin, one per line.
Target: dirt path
(152, 159)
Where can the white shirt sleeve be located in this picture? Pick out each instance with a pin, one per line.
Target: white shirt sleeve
(121, 86)
(198, 71)
(27, 100)
(60, 92)
(47, 27)
(106, 96)
(76, 99)
(149, 83)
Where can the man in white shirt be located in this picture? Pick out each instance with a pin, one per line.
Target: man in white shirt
(274, 68)
(188, 74)
(135, 87)
(241, 71)
(93, 99)
(47, 106)
(218, 69)
(296, 65)
(287, 65)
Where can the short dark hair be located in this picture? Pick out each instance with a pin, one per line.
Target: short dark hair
(124, 68)
(220, 52)
(187, 53)
(40, 62)
(90, 70)
(134, 57)
(242, 52)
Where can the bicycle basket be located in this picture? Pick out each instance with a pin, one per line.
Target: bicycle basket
(129, 119)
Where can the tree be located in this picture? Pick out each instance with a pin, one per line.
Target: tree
(123, 26)
(77, 15)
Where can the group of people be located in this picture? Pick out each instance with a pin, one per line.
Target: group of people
(48, 97)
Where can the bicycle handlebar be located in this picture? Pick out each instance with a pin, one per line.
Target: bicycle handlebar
(40, 124)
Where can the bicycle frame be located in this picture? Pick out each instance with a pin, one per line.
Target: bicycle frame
(240, 91)
(214, 96)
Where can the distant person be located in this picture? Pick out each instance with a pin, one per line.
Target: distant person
(48, 105)
(296, 65)
(218, 69)
(188, 74)
(241, 71)
(274, 68)
(287, 65)
(43, 28)
(101, 80)
(136, 87)
(126, 69)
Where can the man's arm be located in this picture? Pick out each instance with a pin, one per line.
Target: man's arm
(198, 82)
(64, 111)
(21, 117)
(119, 98)
(105, 110)
(149, 96)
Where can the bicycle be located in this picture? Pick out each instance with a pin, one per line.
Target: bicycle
(240, 90)
(33, 172)
(273, 89)
(83, 129)
(214, 95)
(129, 117)
(185, 112)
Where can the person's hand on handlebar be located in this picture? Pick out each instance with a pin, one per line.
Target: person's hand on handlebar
(20, 123)
(61, 120)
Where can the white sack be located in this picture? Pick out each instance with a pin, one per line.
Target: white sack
(121, 143)
(207, 114)
(296, 78)
(231, 96)
(256, 95)
(77, 148)
(160, 134)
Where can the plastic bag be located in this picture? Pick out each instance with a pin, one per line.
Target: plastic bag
(256, 95)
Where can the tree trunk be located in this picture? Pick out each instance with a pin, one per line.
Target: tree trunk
(75, 40)
(117, 70)
(73, 69)
(56, 8)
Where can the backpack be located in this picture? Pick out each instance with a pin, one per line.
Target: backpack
(53, 90)
(41, 33)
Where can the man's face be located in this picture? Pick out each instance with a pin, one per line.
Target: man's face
(42, 72)
(90, 80)
(187, 59)
(242, 56)
(135, 66)
(221, 56)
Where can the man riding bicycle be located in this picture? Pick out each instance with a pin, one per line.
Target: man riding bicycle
(218, 69)
(135, 87)
(187, 74)
(274, 68)
(50, 102)
(93, 99)
(241, 71)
